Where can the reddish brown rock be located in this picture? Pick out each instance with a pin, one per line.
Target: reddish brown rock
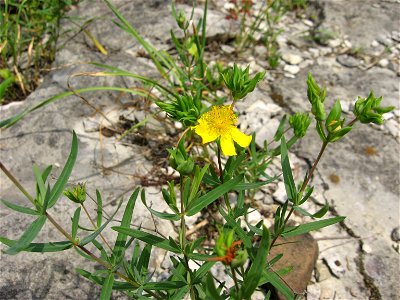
(300, 253)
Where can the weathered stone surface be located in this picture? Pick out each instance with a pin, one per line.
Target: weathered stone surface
(299, 252)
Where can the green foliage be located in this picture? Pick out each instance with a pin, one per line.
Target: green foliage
(30, 27)
(238, 81)
(300, 123)
(368, 110)
(77, 194)
(207, 182)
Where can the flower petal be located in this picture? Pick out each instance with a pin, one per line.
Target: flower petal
(227, 146)
(239, 137)
(206, 134)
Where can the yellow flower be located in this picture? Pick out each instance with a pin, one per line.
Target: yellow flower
(220, 122)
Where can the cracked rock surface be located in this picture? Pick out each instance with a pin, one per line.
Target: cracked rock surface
(358, 176)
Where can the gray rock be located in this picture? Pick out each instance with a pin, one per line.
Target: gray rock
(291, 69)
(292, 58)
(348, 61)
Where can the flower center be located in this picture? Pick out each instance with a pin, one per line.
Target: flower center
(220, 118)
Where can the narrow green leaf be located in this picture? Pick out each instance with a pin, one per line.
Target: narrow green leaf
(198, 177)
(253, 185)
(319, 214)
(40, 183)
(148, 238)
(58, 188)
(75, 222)
(107, 288)
(93, 235)
(309, 191)
(290, 186)
(28, 236)
(304, 228)
(99, 209)
(274, 279)
(117, 285)
(119, 247)
(238, 229)
(212, 292)
(46, 173)
(144, 259)
(252, 278)
(40, 247)
(166, 216)
(164, 285)
(198, 204)
(279, 131)
(24, 210)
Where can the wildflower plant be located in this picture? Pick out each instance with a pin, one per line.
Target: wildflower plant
(209, 126)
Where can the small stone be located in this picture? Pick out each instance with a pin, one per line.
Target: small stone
(348, 61)
(254, 217)
(325, 51)
(227, 49)
(388, 116)
(292, 58)
(383, 63)
(291, 69)
(309, 23)
(280, 193)
(260, 51)
(334, 43)
(178, 125)
(302, 246)
(374, 43)
(396, 36)
(395, 235)
(322, 272)
(366, 248)
(314, 52)
(259, 195)
(393, 127)
(347, 44)
(384, 40)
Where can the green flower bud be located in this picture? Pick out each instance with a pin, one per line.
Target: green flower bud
(238, 82)
(77, 194)
(368, 110)
(180, 160)
(299, 122)
(240, 259)
(316, 96)
(181, 20)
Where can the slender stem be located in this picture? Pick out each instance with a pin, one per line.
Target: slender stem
(183, 239)
(95, 227)
(352, 122)
(69, 237)
(303, 187)
(16, 183)
(221, 177)
(235, 279)
(309, 175)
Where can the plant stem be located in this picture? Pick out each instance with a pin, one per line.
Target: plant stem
(183, 239)
(95, 227)
(69, 237)
(16, 183)
(221, 177)
(235, 279)
(303, 187)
